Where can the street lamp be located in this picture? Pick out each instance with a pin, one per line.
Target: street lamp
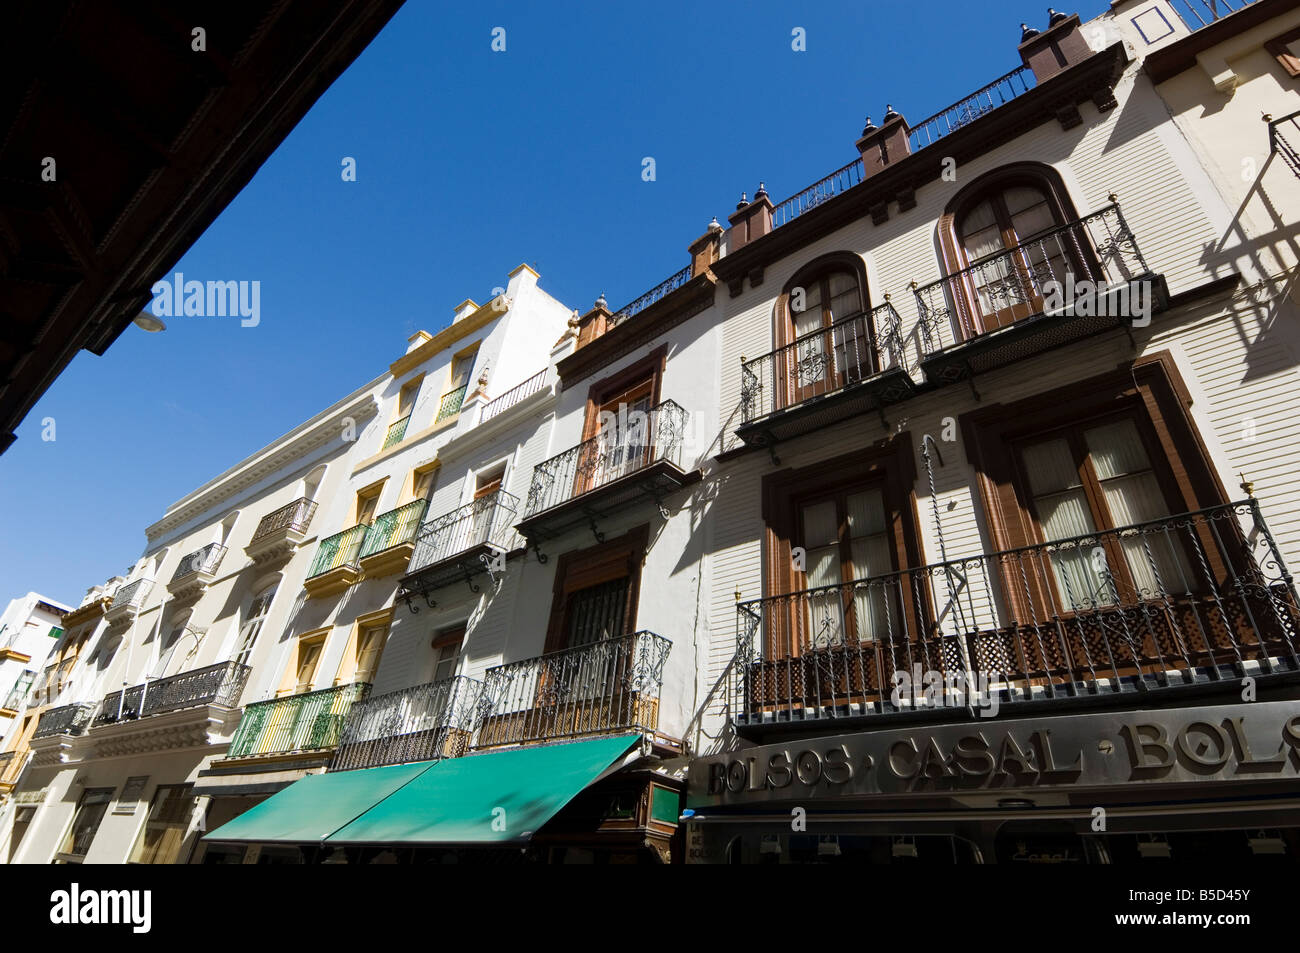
(149, 322)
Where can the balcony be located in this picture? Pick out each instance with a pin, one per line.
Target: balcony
(853, 366)
(196, 571)
(309, 723)
(632, 459)
(390, 540)
(450, 404)
(460, 544)
(1280, 145)
(336, 566)
(1191, 603)
(217, 685)
(127, 602)
(11, 767)
(281, 531)
(655, 294)
(396, 431)
(422, 723)
(499, 405)
(607, 686)
(1066, 283)
(65, 720)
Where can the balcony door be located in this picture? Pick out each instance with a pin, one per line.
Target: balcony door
(486, 487)
(827, 350)
(1097, 477)
(849, 592)
(623, 441)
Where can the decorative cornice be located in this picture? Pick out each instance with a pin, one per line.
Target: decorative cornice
(325, 426)
(1094, 77)
(199, 727)
(666, 313)
(450, 335)
(91, 610)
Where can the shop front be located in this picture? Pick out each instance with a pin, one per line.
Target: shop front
(1212, 783)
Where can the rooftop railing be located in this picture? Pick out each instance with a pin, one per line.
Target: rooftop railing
(633, 441)
(218, 684)
(308, 722)
(514, 395)
(822, 362)
(295, 516)
(965, 111)
(1191, 599)
(661, 290)
(1024, 281)
(1201, 13)
(485, 520)
(841, 180)
(609, 685)
(420, 723)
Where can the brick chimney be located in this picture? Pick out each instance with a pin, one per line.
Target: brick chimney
(592, 324)
(750, 220)
(882, 145)
(704, 250)
(1057, 48)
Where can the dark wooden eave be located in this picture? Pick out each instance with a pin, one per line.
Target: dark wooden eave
(1180, 55)
(151, 140)
(642, 328)
(1094, 77)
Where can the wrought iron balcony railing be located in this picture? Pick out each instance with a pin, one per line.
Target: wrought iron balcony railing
(65, 720)
(218, 684)
(295, 516)
(605, 686)
(1201, 13)
(205, 560)
(341, 549)
(631, 443)
(965, 111)
(393, 528)
(1279, 144)
(132, 595)
(1027, 280)
(661, 290)
(485, 520)
(451, 402)
(514, 395)
(1188, 600)
(421, 723)
(831, 359)
(396, 431)
(308, 722)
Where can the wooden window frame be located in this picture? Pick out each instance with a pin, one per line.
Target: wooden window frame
(349, 664)
(602, 391)
(888, 464)
(448, 635)
(581, 569)
(374, 490)
(788, 392)
(1152, 389)
(289, 679)
(411, 387)
(417, 473)
(965, 299)
(1277, 48)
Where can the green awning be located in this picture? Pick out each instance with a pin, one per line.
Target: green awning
(500, 798)
(309, 810)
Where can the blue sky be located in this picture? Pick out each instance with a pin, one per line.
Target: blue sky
(469, 162)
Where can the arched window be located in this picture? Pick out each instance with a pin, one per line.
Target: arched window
(252, 627)
(1005, 237)
(823, 332)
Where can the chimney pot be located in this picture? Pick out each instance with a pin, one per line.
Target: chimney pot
(601, 302)
(742, 203)
(1027, 33)
(890, 115)
(1053, 17)
(762, 192)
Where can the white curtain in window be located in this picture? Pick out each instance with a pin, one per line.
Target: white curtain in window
(870, 543)
(1062, 507)
(1132, 493)
(824, 617)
